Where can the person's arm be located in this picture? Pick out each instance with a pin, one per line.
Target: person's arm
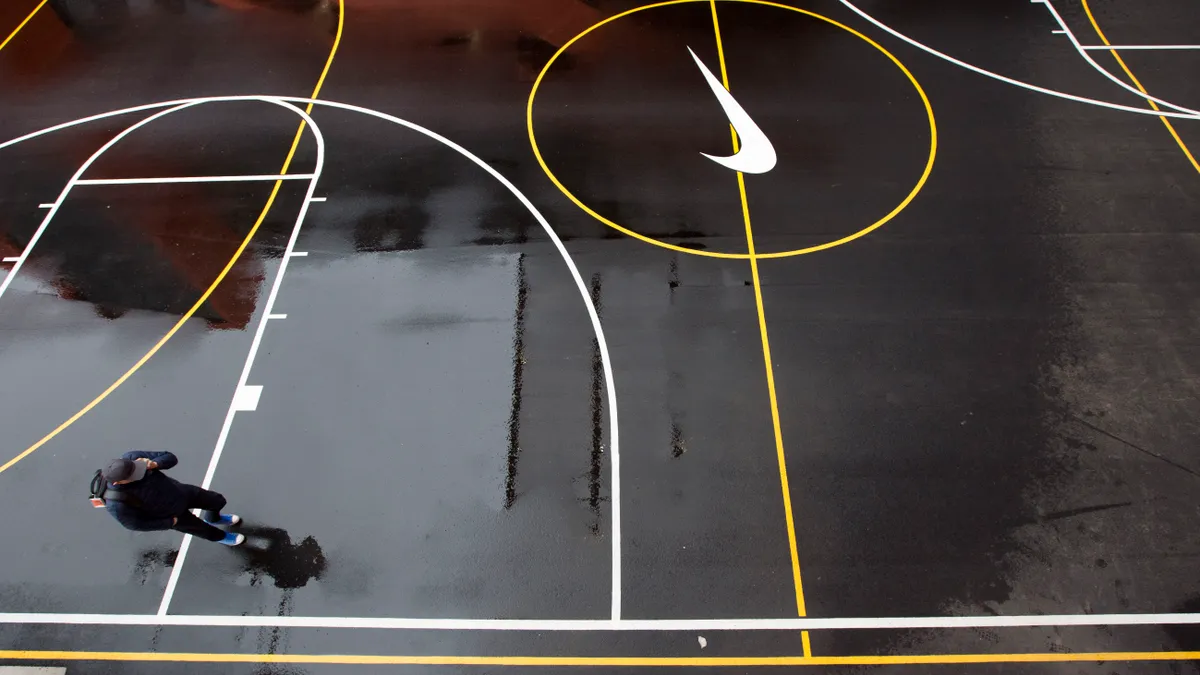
(162, 460)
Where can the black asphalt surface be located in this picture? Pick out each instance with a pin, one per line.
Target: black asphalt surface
(987, 405)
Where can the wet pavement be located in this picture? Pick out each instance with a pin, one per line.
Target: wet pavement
(986, 405)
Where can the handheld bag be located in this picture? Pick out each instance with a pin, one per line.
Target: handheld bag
(98, 488)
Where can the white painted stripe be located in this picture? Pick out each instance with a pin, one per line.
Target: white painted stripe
(193, 179)
(299, 254)
(1141, 47)
(240, 396)
(277, 316)
(317, 199)
(593, 316)
(45, 206)
(1058, 32)
(31, 670)
(1002, 78)
(13, 259)
(246, 398)
(606, 625)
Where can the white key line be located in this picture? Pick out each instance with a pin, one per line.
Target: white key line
(46, 206)
(1145, 47)
(193, 179)
(317, 199)
(277, 316)
(298, 254)
(609, 625)
(13, 259)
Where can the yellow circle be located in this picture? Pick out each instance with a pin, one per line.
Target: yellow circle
(715, 254)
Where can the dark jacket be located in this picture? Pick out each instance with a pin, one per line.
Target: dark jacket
(154, 501)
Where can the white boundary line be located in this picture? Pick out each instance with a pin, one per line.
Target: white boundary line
(192, 179)
(614, 435)
(606, 625)
(238, 404)
(1008, 80)
(1138, 47)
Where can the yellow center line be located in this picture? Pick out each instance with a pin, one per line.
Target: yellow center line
(766, 346)
(216, 282)
(1133, 78)
(22, 24)
(610, 661)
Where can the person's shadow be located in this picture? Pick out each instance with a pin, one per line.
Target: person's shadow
(270, 552)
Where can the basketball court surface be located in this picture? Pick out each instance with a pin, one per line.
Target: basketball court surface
(594, 336)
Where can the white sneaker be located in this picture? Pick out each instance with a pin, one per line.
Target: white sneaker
(232, 539)
(226, 519)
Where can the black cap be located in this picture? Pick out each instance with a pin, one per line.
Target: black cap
(124, 469)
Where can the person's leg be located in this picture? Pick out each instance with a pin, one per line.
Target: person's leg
(210, 504)
(189, 524)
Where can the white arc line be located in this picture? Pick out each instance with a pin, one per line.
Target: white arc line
(756, 154)
(614, 455)
(1008, 80)
(1092, 62)
(580, 285)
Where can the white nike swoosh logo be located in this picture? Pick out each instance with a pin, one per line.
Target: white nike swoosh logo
(756, 155)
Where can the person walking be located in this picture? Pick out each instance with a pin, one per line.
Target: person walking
(143, 498)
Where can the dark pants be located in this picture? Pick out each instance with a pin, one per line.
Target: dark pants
(210, 504)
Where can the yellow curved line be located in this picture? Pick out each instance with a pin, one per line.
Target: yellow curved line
(609, 661)
(716, 254)
(1133, 78)
(216, 282)
(22, 24)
